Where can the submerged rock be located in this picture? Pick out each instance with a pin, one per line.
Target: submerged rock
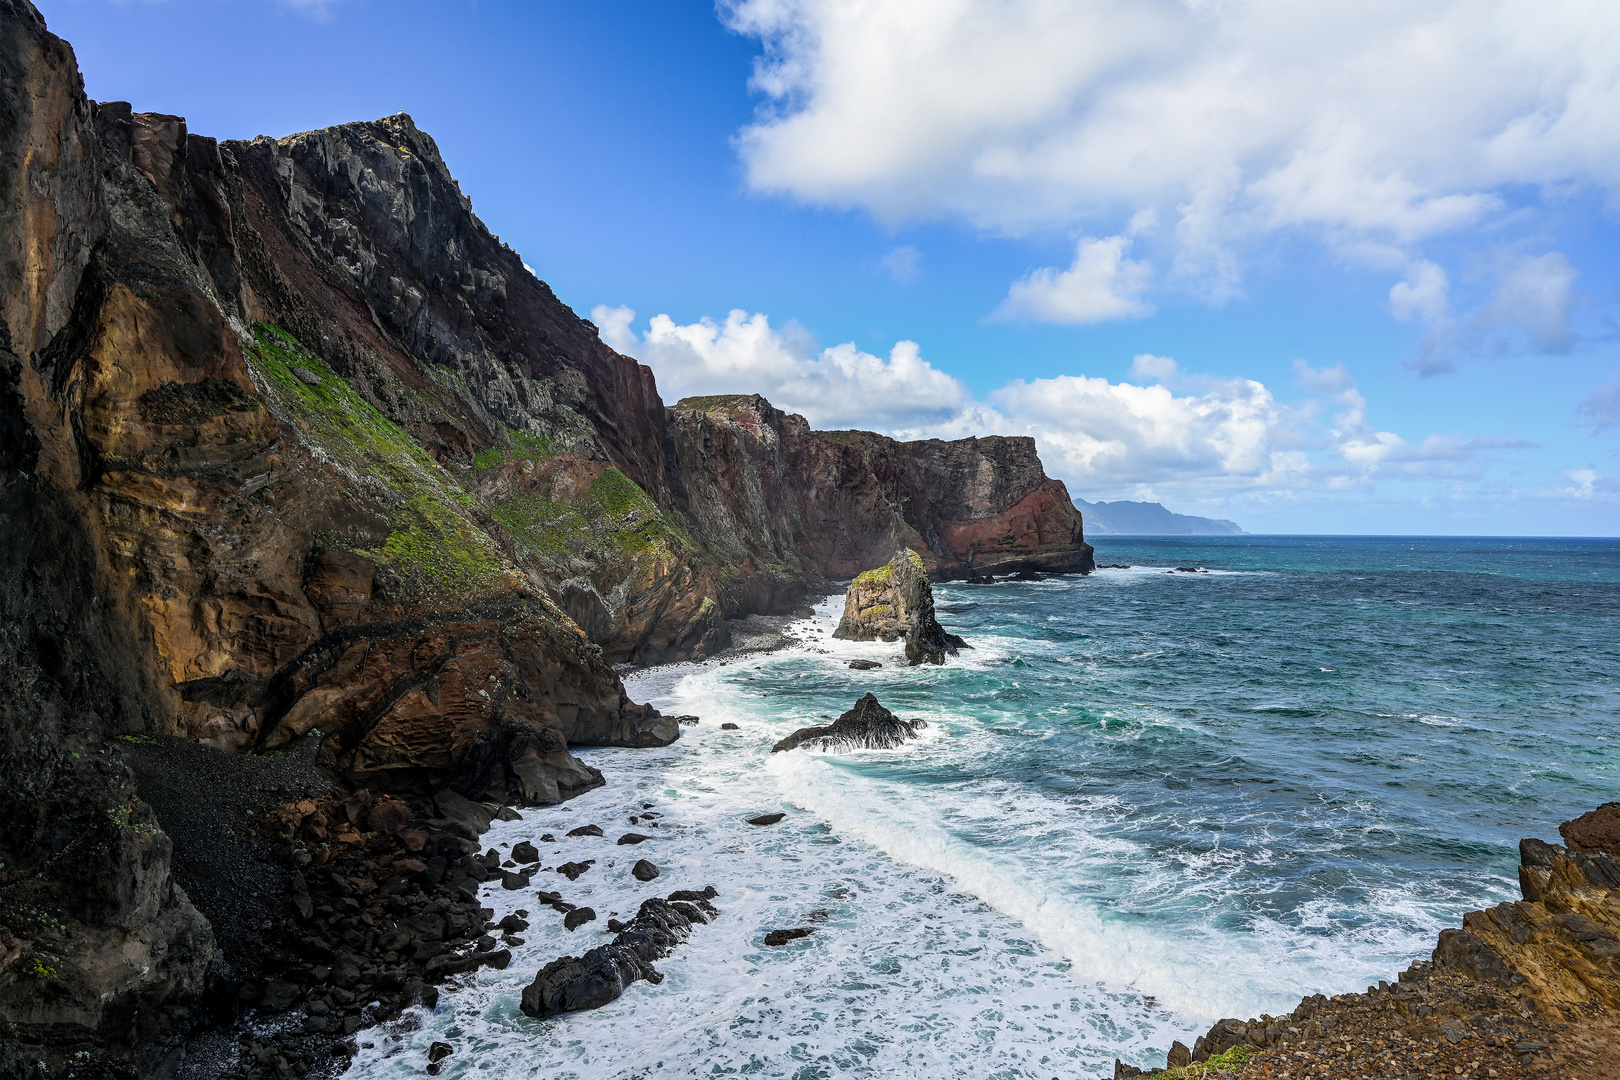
(865, 665)
(766, 819)
(868, 726)
(896, 601)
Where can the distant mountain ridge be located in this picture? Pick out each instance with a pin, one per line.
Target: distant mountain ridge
(1150, 519)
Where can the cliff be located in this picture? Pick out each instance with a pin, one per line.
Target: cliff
(291, 445)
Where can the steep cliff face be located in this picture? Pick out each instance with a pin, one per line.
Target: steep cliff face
(840, 502)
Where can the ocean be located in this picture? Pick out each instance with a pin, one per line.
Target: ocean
(1146, 799)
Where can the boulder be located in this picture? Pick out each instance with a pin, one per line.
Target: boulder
(586, 830)
(1594, 831)
(632, 838)
(571, 983)
(868, 726)
(643, 870)
(766, 819)
(525, 852)
(896, 601)
(578, 917)
(781, 937)
(728, 727)
(458, 808)
(572, 870)
(865, 665)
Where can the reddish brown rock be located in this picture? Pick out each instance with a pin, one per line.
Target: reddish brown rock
(1596, 830)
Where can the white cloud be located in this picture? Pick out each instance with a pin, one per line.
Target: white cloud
(1373, 124)
(1531, 309)
(1101, 284)
(904, 264)
(1425, 294)
(1148, 366)
(1188, 435)
(840, 386)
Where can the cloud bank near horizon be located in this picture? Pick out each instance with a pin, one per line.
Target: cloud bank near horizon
(1166, 434)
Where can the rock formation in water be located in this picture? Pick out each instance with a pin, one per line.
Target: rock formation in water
(292, 447)
(868, 726)
(1524, 988)
(572, 983)
(897, 601)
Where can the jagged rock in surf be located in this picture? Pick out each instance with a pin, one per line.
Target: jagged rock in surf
(897, 601)
(868, 726)
(571, 983)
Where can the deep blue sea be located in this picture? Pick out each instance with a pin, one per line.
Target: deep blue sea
(1145, 800)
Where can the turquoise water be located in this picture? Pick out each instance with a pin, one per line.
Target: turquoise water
(1145, 800)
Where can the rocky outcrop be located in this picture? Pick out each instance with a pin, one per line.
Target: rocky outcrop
(896, 601)
(778, 496)
(868, 726)
(572, 983)
(1527, 987)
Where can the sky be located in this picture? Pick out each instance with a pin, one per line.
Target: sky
(1313, 267)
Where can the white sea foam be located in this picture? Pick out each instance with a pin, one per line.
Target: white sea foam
(966, 927)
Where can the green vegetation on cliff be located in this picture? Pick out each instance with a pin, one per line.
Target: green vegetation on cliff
(433, 544)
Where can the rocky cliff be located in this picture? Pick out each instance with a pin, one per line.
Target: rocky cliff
(291, 445)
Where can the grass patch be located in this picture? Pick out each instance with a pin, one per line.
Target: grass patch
(1230, 1060)
(432, 544)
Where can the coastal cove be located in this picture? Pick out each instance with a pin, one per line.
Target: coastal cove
(1140, 805)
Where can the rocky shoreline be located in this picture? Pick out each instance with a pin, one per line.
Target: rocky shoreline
(1522, 990)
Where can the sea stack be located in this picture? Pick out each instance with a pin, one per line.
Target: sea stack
(868, 726)
(897, 601)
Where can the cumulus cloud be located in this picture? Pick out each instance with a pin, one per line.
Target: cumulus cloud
(841, 386)
(1100, 284)
(1373, 125)
(903, 264)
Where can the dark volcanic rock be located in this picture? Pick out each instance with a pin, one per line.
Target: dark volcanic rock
(632, 838)
(782, 937)
(572, 870)
(728, 727)
(897, 601)
(868, 726)
(766, 819)
(578, 917)
(525, 852)
(588, 982)
(864, 665)
(644, 870)
(586, 830)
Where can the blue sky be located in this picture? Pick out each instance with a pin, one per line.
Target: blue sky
(1347, 268)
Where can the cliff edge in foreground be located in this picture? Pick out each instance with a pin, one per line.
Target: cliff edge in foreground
(1529, 988)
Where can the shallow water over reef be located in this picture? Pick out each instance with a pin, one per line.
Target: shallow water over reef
(1145, 800)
